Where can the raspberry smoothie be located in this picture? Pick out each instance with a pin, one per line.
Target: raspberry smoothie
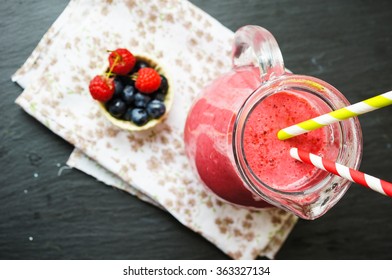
(209, 138)
(269, 158)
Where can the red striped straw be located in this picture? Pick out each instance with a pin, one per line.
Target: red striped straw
(350, 174)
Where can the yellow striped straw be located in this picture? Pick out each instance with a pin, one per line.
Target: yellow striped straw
(356, 109)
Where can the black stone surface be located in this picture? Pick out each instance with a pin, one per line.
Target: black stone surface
(72, 216)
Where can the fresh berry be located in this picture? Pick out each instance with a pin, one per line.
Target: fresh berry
(121, 61)
(125, 79)
(159, 95)
(141, 100)
(128, 94)
(101, 88)
(139, 65)
(164, 84)
(116, 108)
(148, 80)
(128, 114)
(138, 116)
(156, 109)
(118, 88)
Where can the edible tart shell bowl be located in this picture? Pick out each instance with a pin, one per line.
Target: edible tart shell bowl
(129, 126)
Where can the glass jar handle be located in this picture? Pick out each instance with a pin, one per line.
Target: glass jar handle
(256, 46)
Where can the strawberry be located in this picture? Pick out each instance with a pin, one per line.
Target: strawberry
(148, 80)
(101, 88)
(121, 61)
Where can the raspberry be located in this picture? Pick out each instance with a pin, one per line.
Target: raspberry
(148, 80)
(101, 88)
(121, 61)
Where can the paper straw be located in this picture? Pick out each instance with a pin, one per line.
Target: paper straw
(356, 109)
(350, 174)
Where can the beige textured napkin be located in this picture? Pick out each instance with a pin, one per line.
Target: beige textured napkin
(195, 49)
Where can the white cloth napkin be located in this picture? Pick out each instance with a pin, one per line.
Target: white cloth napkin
(195, 49)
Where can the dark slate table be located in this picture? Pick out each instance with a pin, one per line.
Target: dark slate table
(72, 216)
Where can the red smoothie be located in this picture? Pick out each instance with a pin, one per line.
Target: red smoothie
(268, 157)
(209, 138)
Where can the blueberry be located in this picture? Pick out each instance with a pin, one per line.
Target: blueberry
(116, 107)
(138, 116)
(127, 115)
(125, 80)
(159, 95)
(118, 88)
(139, 65)
(128, 94)
(156, 109)
(164, 84)
(141, 100)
